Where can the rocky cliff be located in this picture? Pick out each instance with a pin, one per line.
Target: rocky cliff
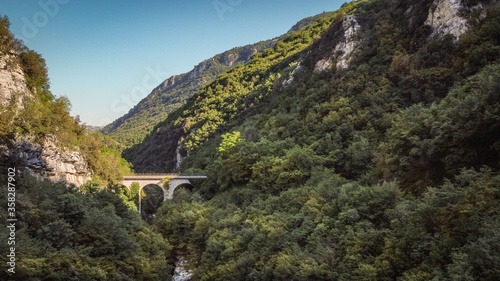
(453, 16)
(49, 160)
(12, 81)
(45, 158)
(444, 17)
(346, 44)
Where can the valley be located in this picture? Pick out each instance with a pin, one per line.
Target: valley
(363, 144)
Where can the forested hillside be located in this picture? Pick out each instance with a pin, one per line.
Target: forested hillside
(94, 233)
(134, 126)
(364, 147)
(131, 128)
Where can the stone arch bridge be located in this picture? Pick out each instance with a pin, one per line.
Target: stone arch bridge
(176, 180)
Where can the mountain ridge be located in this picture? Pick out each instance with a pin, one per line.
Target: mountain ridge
(323, 59)
(132, 127)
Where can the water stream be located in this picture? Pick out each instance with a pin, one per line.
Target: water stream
(180, 273)
(178, 155)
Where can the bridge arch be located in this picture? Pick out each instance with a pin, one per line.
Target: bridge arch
(188, 186)
(151, 197)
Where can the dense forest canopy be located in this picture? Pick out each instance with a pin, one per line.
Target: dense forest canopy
(384, 170)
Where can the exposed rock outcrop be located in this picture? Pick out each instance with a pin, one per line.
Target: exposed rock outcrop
(447, 17)
(228, 58)
(12, 81)
(346, 44)
(49, 160)
(200, 68)
(168, 82)
(178, 155)
(322, 65)
(344, 49)
(291, 77)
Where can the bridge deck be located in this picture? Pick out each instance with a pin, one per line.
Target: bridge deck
(162, 176)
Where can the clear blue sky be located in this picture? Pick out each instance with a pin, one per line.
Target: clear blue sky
(106, 55)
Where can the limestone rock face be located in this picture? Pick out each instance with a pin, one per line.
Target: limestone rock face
(51, 161)
(178, 155)
(322, 65)
(12, 81)
(228, 59)
(446, 18)
(291, 77)
(200, 68)
(247, 55)
(346, 46)
(168, 82)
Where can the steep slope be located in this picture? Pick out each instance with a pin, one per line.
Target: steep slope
(57, 231)
(415, 58)
(305, 22)
(363, 147)
(173, 92)
(36, 131)
(298, 42)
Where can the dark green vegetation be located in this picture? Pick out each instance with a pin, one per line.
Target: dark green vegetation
(386, 170)
(93, 234)
(104, 157)
(134, 126)
(152, 199)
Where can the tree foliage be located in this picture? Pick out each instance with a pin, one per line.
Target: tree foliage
(64, 234)
(386, 170)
